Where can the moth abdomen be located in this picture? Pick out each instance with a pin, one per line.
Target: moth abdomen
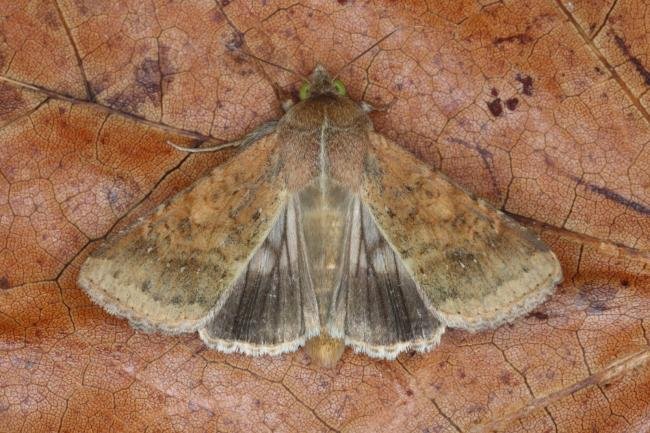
(324, 350)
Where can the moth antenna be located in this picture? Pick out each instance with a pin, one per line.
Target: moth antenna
(363, 53)
(291, 71)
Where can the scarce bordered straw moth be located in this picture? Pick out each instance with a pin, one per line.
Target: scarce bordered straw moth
(322, 232)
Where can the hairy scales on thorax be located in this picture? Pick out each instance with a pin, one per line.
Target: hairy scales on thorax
(326, 135)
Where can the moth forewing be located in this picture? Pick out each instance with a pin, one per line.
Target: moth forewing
(171, 270)
(477, 267)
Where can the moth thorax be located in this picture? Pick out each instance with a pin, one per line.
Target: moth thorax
(324, 350)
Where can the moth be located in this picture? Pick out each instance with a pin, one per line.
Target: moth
(324, 233)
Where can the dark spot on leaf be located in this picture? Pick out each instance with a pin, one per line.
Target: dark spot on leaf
(596, 297)
(147, 79)
(495, 107)
(520, 38)
(121, 194)
(193, 406)
(538, 315)
(494, 92)
(625, 283)
(512, 103)
(112, 197)
(256, 215)
(225, 2)
(99, 83)
(598, 307)
(342, 2)
(51, 20)
(239, 59)
(409, 392)
(86, 7)
(527, 83)
(216, 16)
(4, 283)
(146, 286)
(636, 62)
(506, 378)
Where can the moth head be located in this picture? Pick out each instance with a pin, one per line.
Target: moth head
(320, 83)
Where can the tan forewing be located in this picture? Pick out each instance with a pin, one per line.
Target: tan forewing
(477, 266)
(174, 267)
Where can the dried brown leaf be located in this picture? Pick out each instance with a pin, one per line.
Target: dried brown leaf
(540, 107)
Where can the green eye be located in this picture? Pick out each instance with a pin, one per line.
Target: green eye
(305, 91)
(339, 87)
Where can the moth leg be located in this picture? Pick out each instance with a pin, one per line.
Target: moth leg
(287, 104)
(367, 107)
(262, 131)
